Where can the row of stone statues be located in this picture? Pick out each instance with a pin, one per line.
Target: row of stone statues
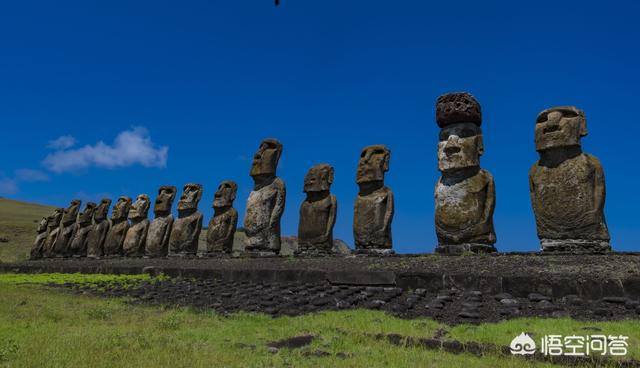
(566, 186)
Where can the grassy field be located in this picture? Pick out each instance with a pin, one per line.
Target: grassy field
(18, 223)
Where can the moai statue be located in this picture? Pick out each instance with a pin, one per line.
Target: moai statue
(465, 194)
(41, 239)
(222, 226)
(99, 230)
(266, 201)
(84, 225)
(157, 243)
(119, 227)
(373, 209)
(183, 240)
(567, 186)
(53, 229)
(317, 212)
(69, 218)
(134, 240)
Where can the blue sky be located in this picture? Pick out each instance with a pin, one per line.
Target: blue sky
(196, 85)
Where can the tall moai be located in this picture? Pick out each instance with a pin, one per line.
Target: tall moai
(119, 226)
(98, 233)
(222, 226)
(465, 195)
(317, 213)
(373, 209)
(266, 201)
(78, 247)
(183, 240)
(157, 242)
(67, 227)
(41, 238)
(567, 186)
(134, 240)
(53, 229)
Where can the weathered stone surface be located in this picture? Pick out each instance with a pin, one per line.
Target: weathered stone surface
(78, 246)
(266, 201)
(567, 186)
(135, 239)
(118, 229)
(67, 228)
(317, 211)
(99, 230)
(373, 209)
(157, 242)
(41, 239)
(53, 228)
(222, 227)
(186, 228)
(464, 194)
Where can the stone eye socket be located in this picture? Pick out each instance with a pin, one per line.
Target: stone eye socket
(569, 114)
(541, 119)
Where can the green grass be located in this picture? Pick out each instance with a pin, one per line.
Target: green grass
(18, 223)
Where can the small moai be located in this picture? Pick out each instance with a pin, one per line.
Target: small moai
(135, 239)
(157, 243)
(99, 230)
(183, 240)
(53, 229)
(118, 229)
(317, 213)
(465, 195)
(41, 239)
(67, 228)
(567, 186)
(222, 226)
(78, 246)
(373, 208)
(266, 201)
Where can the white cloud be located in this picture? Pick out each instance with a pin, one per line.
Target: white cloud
(130, 147)
(30, 175)
(63, 142)
(8, 186)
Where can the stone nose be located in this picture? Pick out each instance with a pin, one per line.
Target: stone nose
(554, 117)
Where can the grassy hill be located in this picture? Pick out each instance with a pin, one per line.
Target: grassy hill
(18, 222)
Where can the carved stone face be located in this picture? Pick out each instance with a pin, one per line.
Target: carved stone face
(560, 127)
(102, 209)
(191, 195)
(42, 226)
(164, 200)
(374, 162)
(225, 195)
(71, 212)
(265, 161)
(86, 215)
(54, 219)
(140, 207)
(121, 208)
(460, 146)
(319, 178)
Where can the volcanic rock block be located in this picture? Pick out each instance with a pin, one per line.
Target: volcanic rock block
(222, 227)
(567, 186)
(317, 212)
(41, 239)
(99, 230)
(119, 226)
(67, 228)
(157, 242)
(78, 247)
(186, 228)
(134, 240)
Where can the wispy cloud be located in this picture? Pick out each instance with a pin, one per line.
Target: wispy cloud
(31, 175)
(62, 142)
(8, 186)
(130, 147)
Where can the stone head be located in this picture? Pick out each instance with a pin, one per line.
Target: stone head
(374, 162)
(42, 225)
(265, 161)
(121, 208)
(86, 215)
(561, 126)
(54, 219)
(458, 107)
(225, 195)
(71, 213)
(191, 194)
(319, 178)
(460, 146)
(102, 210)
(164, 200)
(140, 207)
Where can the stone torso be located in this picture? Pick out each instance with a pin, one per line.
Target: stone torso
(564, 199)
(369, 227)
(158, 236)
(185, 233)
(134, 241)
(314, 220)
(38, 245)
(63, 240)
(79, 242)
(115, 238)
(260, 207)
(96, 238)
(50, 242)
(221, 230)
